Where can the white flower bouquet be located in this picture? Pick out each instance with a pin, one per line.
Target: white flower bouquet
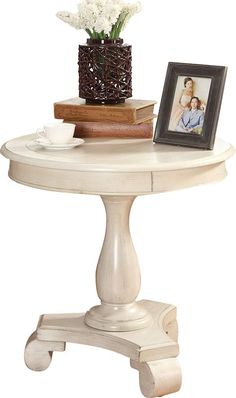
(101, 19)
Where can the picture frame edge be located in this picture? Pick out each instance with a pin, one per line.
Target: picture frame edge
(161, 131)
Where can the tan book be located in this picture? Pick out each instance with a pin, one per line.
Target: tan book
(118, 130)
(132, 111)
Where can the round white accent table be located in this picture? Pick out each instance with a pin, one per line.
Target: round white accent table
(118, 170)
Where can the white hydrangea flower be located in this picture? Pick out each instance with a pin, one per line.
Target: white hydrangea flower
(101, 16)
(112, 11)
(134, 8)
(88, 14)
(102, 25)
(129, 10)
(70, 18)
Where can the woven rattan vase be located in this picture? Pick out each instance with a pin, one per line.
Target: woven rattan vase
(105, 71)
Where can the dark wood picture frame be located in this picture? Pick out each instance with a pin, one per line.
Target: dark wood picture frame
(206, 139)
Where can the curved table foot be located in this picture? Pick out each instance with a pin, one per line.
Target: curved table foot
(38, 354)
(158, 378)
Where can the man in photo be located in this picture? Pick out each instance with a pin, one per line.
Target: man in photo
(192, 119)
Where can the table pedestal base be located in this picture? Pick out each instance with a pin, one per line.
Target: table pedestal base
(152, 350)
(118, 318)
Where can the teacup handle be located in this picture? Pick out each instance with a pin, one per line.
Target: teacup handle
(41, 133)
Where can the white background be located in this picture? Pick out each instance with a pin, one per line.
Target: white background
(50, 242)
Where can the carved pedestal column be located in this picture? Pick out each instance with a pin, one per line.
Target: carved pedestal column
(118, 276)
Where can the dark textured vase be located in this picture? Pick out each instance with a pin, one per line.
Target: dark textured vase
(105, 71)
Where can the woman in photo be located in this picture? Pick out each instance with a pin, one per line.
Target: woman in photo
(183, 103)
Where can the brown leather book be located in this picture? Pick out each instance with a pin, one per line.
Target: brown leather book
(118, 130)
(132, 111)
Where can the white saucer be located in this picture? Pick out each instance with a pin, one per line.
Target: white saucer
(54, 147)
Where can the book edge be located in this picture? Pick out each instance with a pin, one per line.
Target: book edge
(146, 103)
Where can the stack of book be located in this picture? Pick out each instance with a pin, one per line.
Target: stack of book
(131, 119)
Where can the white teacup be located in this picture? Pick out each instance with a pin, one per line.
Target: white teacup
(57, 133)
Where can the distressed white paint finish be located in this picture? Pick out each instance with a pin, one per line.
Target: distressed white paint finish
(152, 350)
(113, 154)
(148, 344)
(158, 378)
(75, 181)
(38, 354)
(116, 166)
(118, 276)
(118, 170)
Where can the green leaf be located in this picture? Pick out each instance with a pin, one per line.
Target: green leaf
(89, 32)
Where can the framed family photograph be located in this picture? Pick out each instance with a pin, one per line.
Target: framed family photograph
(190, 105)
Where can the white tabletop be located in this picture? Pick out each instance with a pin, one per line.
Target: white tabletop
(141, 161)
(109, 154)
